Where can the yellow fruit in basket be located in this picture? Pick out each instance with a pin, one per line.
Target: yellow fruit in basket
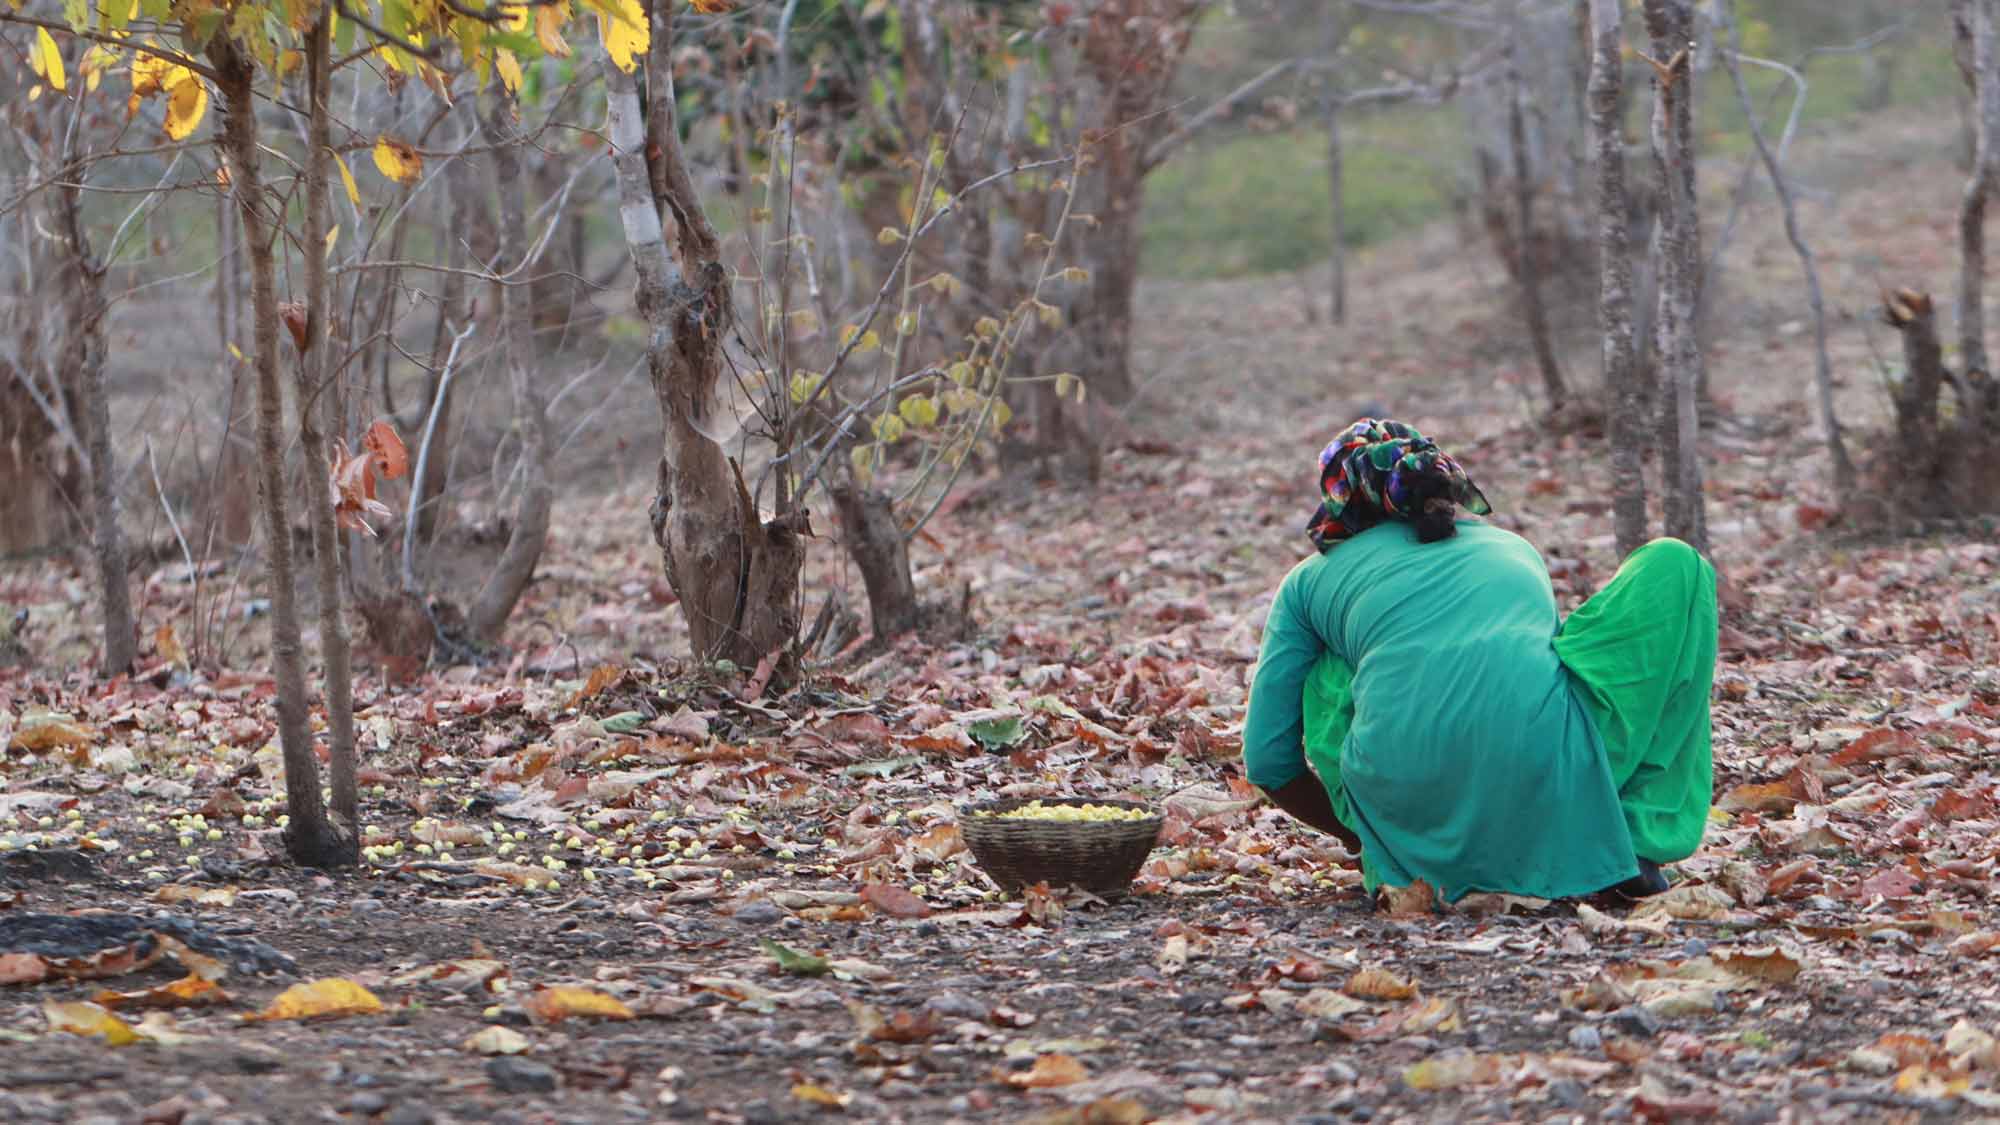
(1035, 810)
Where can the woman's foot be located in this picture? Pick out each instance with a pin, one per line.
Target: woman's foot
(1649, 881)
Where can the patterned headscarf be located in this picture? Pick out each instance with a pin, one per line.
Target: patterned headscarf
(1371, 473)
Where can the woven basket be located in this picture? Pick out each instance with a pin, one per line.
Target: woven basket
(1099, 856)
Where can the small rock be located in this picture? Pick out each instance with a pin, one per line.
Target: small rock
(1568, 1093)
(957, 1005)
(1868, 1060)
(367, 905)
(368, 1103)
(1339, 1073)
(1695, 947)
(410, 1113)
(513, 1015)
(1637, 1022)
(760, 913)
(1586, 1038)
(897, 1089)
(1202, 1078)
(511, 1075)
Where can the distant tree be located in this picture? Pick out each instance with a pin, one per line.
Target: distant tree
(1625, 411)
(1671, 28)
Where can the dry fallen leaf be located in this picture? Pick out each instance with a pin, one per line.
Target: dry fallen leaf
(1379, 984)
(1049, 1070)
(81, 1017)
(553, 1005)
(1173, 955)
(1402, 902)
(494, 1039)
(897, 902)
(1449, 1072)
(820, 1096)
(187, 992)
(23, 968)
(327, 998)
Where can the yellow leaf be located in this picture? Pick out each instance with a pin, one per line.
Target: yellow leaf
(347, 180)
(514, 17)
(509, 68)
(711, 7)
(625, 33)
(549, 20)
(48, 60)
(888, 236)
(332, 996)
(398, 161)
(81, 1017)
(496, 1040)
(804, 383)
(552, 1005)
(820, 1096)
(888, 427)
(187, 103)
(918, 410)
(332, 237)
(1065, 383)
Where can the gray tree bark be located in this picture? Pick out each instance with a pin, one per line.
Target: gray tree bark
(736, 574)
(1524, 221)
(315, 396)
(1626, 407)
(83, 361)
(1972, 207)
(1670, 25)
(1836, 446)
(516, 567)
(310, 837)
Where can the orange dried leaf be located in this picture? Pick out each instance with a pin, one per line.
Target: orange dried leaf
(1050, 1070)
(23, 968)
(894, 901)
(390, 455)
(553, 1005)
(186, 992)
(1379, 984)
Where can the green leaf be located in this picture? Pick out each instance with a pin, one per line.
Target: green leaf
(791, 960)
(998, 734)
(77, 14)
(624, 722)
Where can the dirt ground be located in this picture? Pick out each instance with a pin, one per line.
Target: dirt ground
(534, 827)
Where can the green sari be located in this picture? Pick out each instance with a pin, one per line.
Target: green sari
(1468, 738)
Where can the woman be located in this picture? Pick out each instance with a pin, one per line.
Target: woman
(1461, 734)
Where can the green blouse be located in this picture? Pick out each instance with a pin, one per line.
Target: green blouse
(1449, 735)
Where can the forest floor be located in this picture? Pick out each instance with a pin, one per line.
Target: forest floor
(596, 864)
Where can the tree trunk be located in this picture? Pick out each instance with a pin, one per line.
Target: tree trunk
(1524, 222)
(1916, 398)
(83, 361)
(736, 574)
(874, 540)
(1843, 466)
(1626, 407)
(516, 567)
(1337, 210)
(1972, 208)
(310, 837)
(316, 400)
(1670, 24)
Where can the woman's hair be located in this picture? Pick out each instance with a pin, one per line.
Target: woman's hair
(1381, 469)
(1432, 511)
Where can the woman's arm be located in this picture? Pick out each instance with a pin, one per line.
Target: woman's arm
(1307, 801)
(1274, 729)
